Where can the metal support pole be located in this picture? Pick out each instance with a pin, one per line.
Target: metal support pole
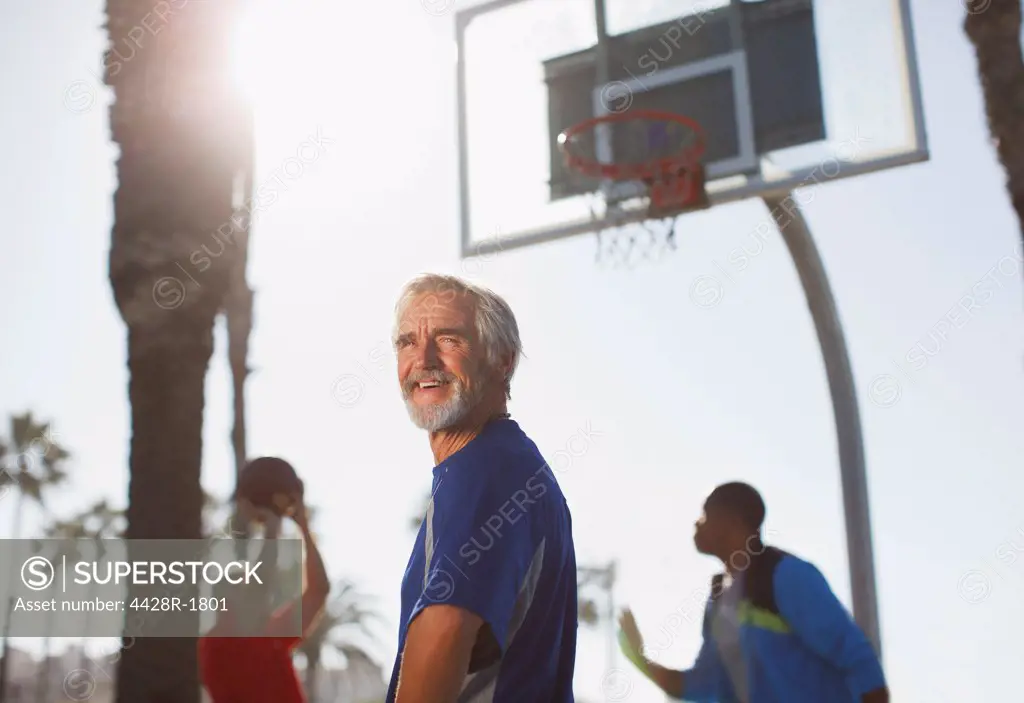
(603, 577)
(612, 620)
(797, 235)
(601, 50)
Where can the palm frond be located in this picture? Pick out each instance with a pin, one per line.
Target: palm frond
(345, 625)
(52, 475)
(22, 431)
(54, 454)
(588, 612)
(30, 485)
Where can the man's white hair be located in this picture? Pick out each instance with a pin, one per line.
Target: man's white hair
(495, 323)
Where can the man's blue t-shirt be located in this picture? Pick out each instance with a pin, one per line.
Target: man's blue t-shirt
(497, 541)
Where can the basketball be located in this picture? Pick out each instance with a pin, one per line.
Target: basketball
(263, 478)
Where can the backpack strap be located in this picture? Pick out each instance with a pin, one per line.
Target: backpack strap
(716, 586)
(758, 587)
(760, 608)
(760, 583)
(717, 582)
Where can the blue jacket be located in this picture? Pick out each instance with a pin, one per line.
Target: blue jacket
(799, 644)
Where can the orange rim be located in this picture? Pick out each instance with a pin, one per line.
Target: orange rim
(685, 158)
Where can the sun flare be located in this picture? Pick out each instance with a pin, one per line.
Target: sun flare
(260, 50)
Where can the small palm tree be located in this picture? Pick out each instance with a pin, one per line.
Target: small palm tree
(216, 516)
(589, 578)
(31, 462)
(344, 628)
(67, 534)
(99, 523)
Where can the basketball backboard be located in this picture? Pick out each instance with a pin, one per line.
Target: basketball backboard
(789, 92)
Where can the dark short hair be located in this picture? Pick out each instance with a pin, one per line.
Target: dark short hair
(741, 500)
(262, 478)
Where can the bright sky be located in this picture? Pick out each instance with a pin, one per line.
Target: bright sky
(674, 398)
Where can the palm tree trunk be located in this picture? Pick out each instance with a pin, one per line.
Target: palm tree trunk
(168, 373)
(238, 315)
(43, 677)
(83, 657)
(175, 119)
(994, 27)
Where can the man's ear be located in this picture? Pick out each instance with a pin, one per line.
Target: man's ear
(505, 367)
(508, 365)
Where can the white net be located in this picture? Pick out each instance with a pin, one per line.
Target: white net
(628, 246)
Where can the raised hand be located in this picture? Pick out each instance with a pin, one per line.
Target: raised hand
(292, 506)
(630, 631)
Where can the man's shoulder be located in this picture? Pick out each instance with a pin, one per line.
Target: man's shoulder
(501, 479)
(503, 463)
(792, 568)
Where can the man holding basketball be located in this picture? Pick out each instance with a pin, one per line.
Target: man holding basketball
(489, 594)
(247, 655)
(773, 629)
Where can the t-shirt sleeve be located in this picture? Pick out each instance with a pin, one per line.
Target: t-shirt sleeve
(486, 533)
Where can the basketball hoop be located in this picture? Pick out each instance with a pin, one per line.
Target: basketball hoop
(660, 150)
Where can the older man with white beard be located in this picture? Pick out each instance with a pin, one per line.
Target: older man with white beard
(489, 594)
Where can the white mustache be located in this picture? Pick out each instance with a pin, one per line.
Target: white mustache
(437, 376)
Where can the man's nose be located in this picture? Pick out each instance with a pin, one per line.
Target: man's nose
(426, 355)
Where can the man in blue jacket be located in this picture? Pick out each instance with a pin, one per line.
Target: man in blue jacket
(774, 632)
